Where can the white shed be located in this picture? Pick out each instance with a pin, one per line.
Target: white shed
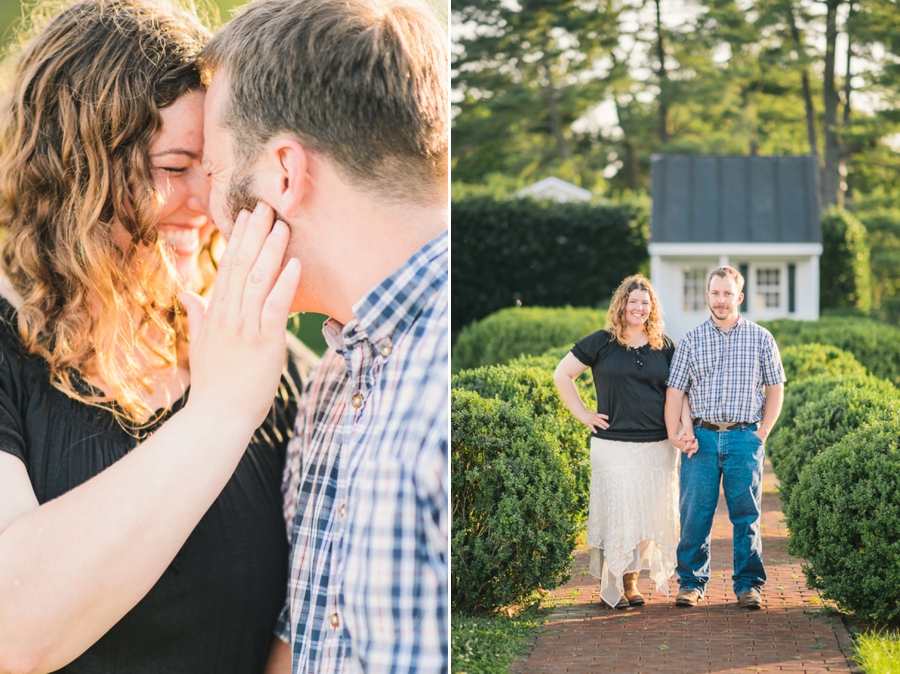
(556, 189)
(759, 215)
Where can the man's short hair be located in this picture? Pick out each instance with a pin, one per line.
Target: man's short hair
(364, 82)
(727, 272)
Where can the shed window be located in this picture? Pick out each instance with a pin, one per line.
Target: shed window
(694, 289)
(768, 287)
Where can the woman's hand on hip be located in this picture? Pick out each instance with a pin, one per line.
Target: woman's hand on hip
(594, 420)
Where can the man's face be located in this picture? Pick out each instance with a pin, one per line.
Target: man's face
(723, 297)
(232, 188)
(218, 161)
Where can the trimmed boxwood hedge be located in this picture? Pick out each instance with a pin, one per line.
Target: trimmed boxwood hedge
(796, 395)
(519, 331)
(844, 518)
(542, 253)
(808, 360)
(514, 509)
(533, 388)
(876, 345)
(820, 424)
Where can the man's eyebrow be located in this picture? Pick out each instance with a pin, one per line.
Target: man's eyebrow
(186, 153)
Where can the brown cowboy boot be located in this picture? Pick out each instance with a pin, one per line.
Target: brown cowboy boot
(634, 597)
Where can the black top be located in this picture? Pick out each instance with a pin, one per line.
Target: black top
(214, 609)
(630, 384)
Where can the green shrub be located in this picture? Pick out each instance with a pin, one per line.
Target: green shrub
(534, 388)
(519, 331)
(844, 518)
(876, 345)
(823, 423)
(796, 396)
(513, 505)
(812, 370)
(544, 254)
(550, 359)
(547, 360)
(883, 227)
(846, 281)
(808, 360)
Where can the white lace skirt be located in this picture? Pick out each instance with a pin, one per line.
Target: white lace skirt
(633, 521)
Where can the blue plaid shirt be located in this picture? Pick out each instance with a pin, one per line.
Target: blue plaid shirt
(724, 372)
(366, 485)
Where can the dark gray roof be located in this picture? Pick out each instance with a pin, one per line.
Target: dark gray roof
(699, 198)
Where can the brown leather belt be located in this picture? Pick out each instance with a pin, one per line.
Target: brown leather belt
(721, 427)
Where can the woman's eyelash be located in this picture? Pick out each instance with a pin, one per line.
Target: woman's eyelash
(171, 169)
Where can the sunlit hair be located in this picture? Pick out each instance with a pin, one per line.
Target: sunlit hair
(727, 272)
(363, 82)
(615, 320)
(75, 131)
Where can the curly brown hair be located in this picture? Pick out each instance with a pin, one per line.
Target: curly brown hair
(615, 319)
(75, 130)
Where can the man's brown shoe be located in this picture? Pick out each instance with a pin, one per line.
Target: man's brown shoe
(687, 598)
(750, 600)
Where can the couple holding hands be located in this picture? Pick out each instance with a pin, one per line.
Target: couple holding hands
(182, 488)
(713, 399)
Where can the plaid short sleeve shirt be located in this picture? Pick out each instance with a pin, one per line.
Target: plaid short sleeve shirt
(366, 485)
(724, 373)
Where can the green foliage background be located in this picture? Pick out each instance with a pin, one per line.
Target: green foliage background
(874, 344)
(846, 278)
(541, 253)
(523, 331)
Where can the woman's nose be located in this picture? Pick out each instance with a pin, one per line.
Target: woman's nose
(198, 200)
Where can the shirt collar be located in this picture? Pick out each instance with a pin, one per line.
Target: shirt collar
(737, 325)
(393, 304)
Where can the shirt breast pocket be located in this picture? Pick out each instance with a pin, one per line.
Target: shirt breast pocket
(700, 369)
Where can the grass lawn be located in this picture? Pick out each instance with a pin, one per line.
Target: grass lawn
(878, 652)
(489, 645)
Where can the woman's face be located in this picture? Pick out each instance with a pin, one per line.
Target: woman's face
(637, 308)
(184, 221)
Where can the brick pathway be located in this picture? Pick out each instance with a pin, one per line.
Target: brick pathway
(789, 633)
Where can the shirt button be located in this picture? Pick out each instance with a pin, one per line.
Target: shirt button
(386, 350)
(335, 621)
(342, 510)
(356, 400)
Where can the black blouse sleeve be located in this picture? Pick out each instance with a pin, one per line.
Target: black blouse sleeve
(11, 433)
(668, 348)
(589, 350)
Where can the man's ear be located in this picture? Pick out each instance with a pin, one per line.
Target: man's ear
(284, 181)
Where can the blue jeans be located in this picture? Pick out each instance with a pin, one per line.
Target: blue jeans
(737, 457)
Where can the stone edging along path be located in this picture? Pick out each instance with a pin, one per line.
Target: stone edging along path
(790, 633)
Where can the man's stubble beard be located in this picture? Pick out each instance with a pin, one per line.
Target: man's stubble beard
(731, 312)
(241, 197)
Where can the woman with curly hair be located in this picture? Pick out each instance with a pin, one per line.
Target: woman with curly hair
(141, 530)
(633, 514)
